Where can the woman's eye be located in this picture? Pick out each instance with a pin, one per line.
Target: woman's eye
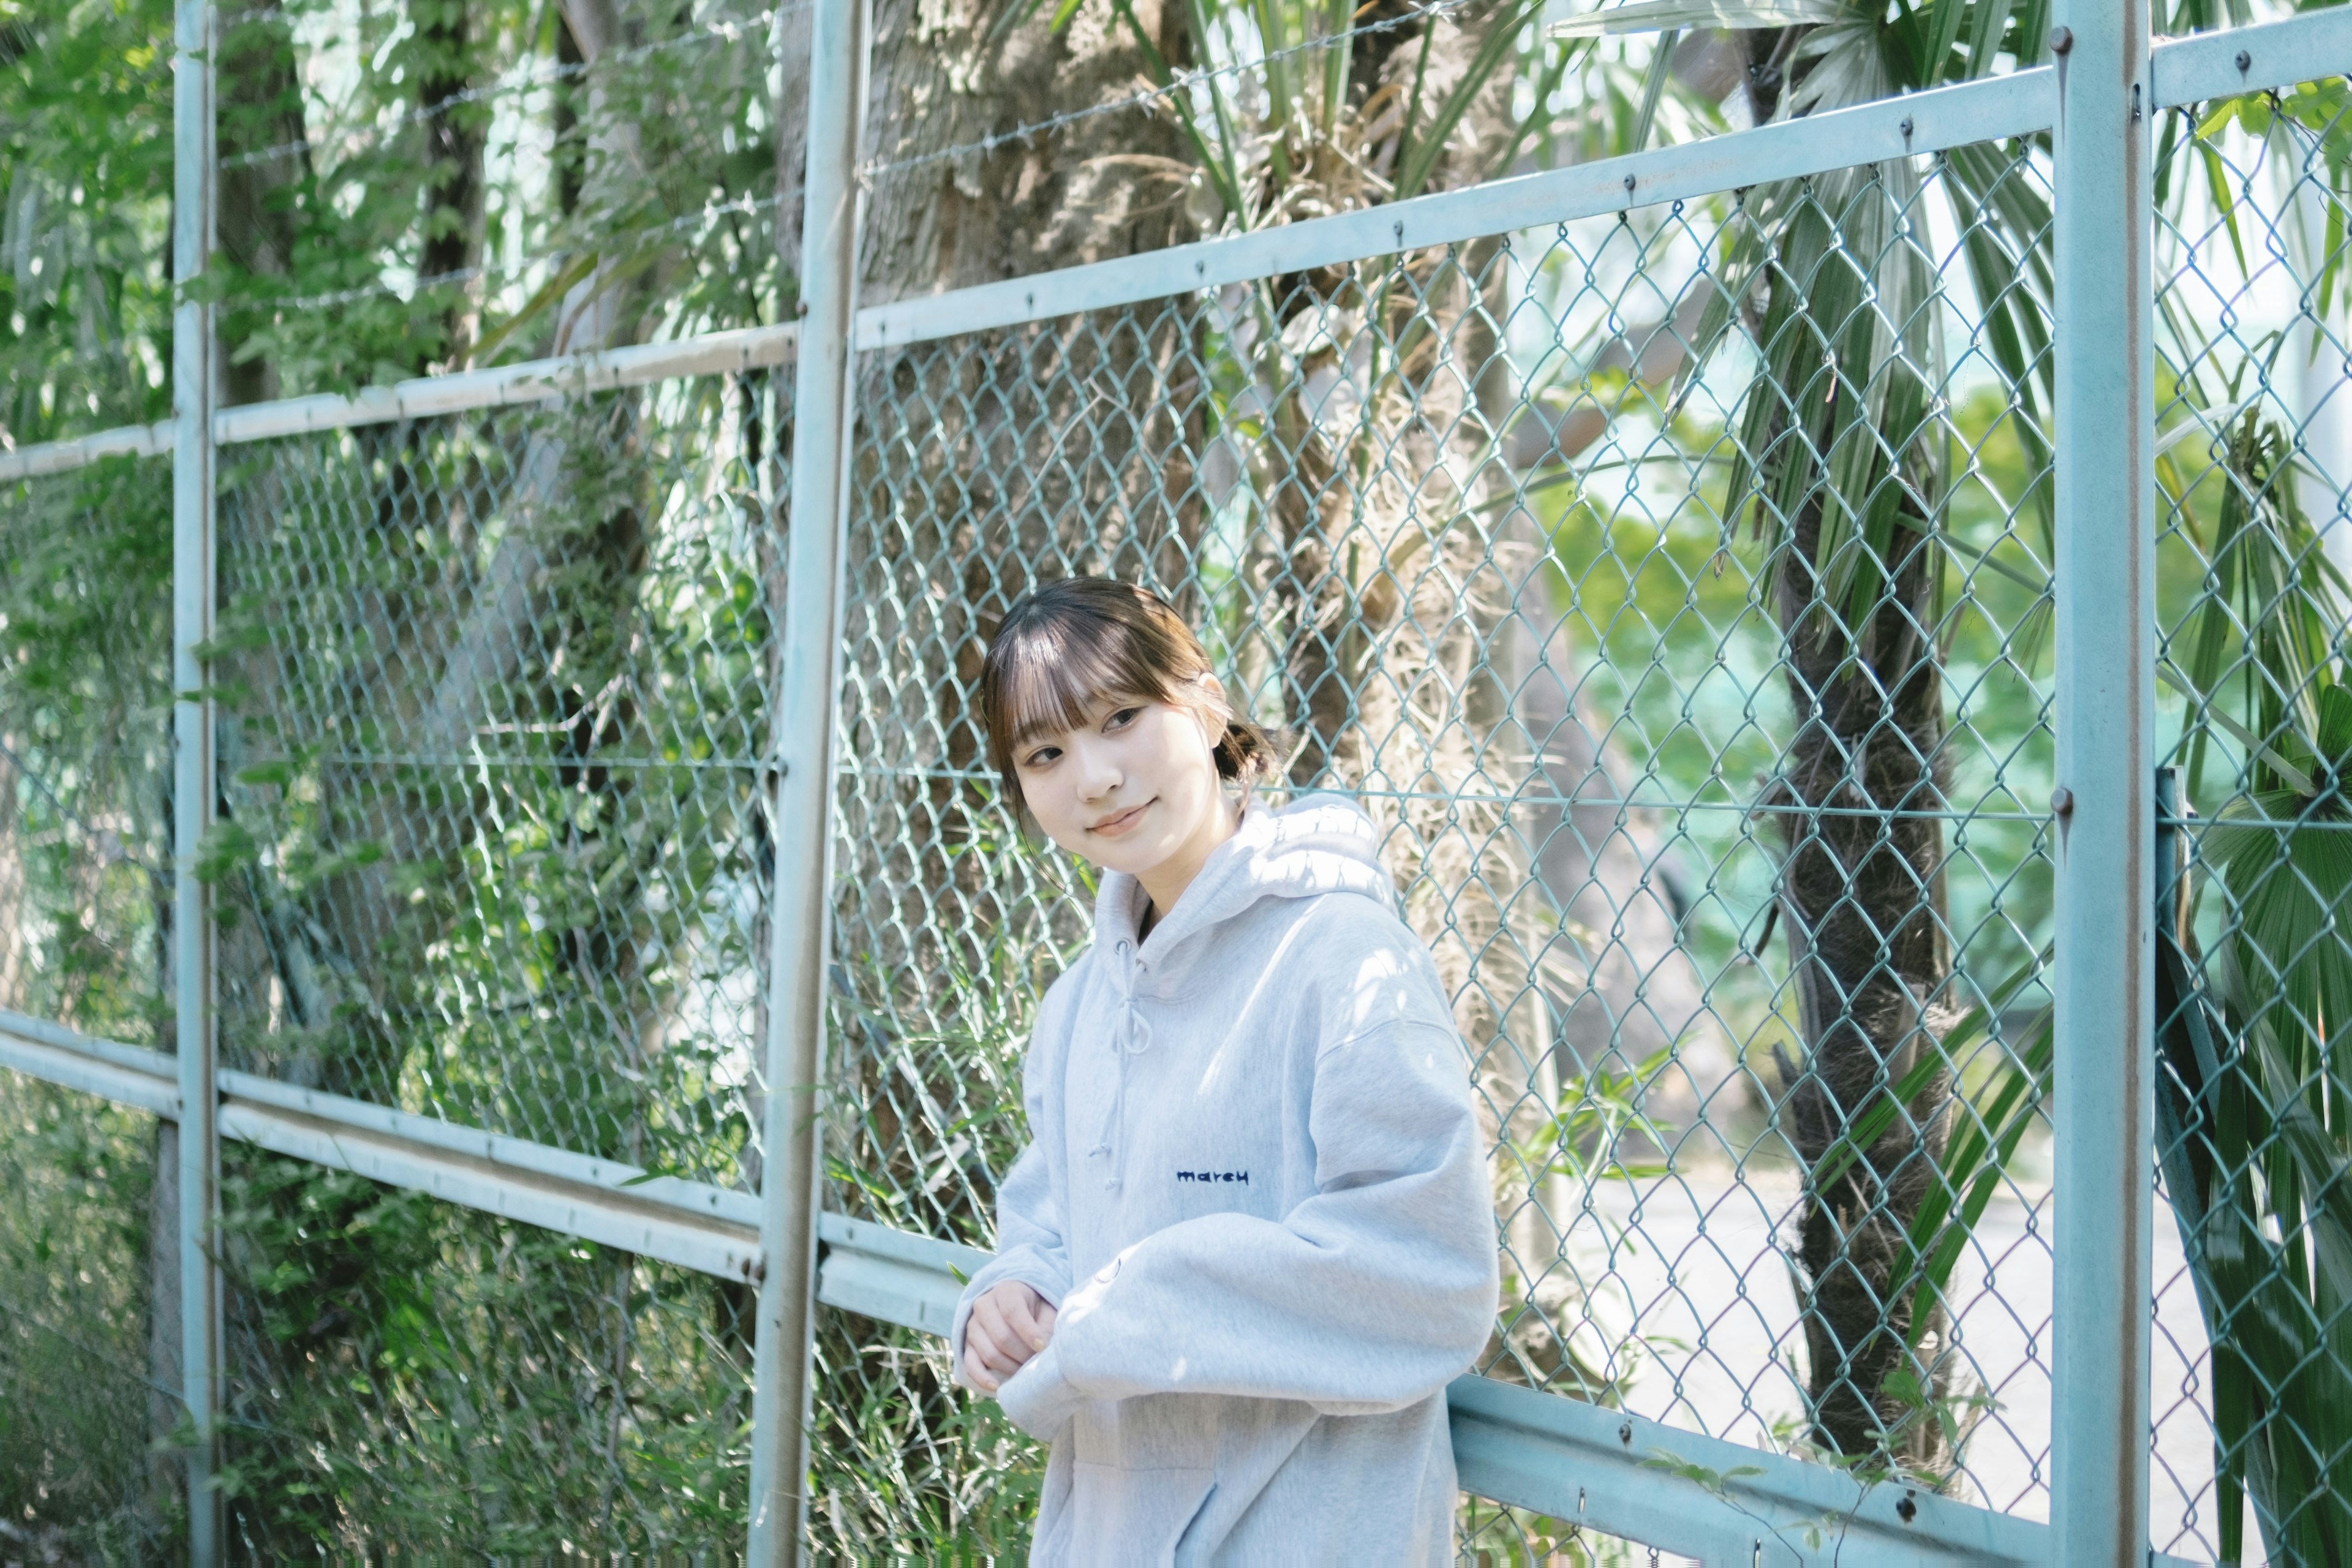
(1121, 719)
(1040, 757)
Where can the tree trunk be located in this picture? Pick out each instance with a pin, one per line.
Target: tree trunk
(1863, 900)
(992, 462)
(986, 464)
(261, 134)
(1390, 591)
(454, 187)
(1857, 804)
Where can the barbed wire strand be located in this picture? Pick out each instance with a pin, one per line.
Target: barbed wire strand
(13, 250)
(1185, 82)
(521, 81)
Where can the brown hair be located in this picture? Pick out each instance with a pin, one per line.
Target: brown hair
(1062, 647)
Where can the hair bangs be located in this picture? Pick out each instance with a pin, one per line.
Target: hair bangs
(1058, 668)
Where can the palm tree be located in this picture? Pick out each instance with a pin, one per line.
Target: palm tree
(2252, 1101)
(1843, 466)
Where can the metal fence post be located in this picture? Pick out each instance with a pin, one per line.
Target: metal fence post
(823, 423)
(2105, 805)
(194, 787)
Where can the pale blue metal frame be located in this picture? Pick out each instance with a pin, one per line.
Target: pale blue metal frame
(2104, 695)
(800, 909)
(193, 788)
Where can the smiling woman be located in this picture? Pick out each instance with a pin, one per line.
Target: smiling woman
(1116, 737)
(1291, 1223)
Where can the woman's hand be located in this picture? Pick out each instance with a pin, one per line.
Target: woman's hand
(1007, 1326)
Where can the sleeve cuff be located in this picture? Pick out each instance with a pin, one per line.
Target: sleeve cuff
(1039, 1398)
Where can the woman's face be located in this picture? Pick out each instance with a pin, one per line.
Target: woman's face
(1134, 788)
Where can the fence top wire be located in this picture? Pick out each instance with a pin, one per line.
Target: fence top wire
(521, 80)
(1181, 82)
(2187, 69)
(2270, 60)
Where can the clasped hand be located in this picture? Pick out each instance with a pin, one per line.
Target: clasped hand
(1008, 1325)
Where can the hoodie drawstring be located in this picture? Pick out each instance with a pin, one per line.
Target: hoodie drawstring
(1134, 1038)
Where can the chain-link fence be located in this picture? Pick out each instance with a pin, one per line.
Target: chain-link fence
(1672, 583)
(85, 774)
(1525, 546)
(88, 1324)
(492, 850)
(2256, 456)
(88, 1368)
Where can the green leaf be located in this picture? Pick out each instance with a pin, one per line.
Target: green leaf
(1944, 20)
(1499, 46)
(227, 846)
(546, 297)
(2217, 183)
(1872, 1122)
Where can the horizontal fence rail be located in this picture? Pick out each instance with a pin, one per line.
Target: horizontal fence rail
(1612, 1472)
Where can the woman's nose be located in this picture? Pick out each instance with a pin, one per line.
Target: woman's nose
(1098, 774)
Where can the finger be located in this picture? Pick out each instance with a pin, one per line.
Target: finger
(985, 1328)
(997, 1309)
(1025, 1322)
(1006, 1353)
(1046, 1314)
(980, 1346)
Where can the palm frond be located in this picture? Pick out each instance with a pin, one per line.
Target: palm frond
(1658, 16)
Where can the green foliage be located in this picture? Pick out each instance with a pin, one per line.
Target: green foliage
(925, 1119)
(76, 1483)
(909, 1468)
(1981, 1150)
(86, 144)
(421, 1374)
(402, 190)
(85, 609)
(2254, 1105)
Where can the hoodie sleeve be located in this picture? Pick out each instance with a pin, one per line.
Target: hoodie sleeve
(1367, 1297)
(1031, 1235)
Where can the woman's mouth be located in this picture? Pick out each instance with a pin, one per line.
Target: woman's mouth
(1113, 826)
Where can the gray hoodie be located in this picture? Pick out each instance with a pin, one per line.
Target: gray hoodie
(1257, 1194)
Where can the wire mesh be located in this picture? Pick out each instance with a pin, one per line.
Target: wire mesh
(494, 844)
(1655, 582)
(2255, 452)
(89, 1364)
(88, 1368)
(85, 741)
(409, 1375)
(632, 194)
(494, 849)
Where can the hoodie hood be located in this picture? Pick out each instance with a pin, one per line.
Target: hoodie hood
(1316, 844)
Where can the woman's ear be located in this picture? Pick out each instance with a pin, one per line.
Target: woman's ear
(1216, 711)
